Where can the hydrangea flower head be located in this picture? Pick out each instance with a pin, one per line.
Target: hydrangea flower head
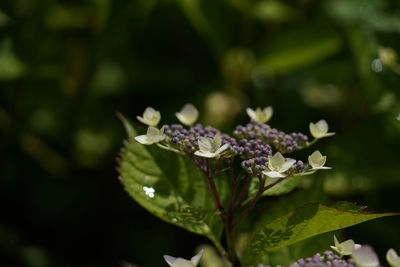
(320, 129)
(188, 115)
(346, 247)
(180, 262)
(210, 148)
(392, 258)
(151, 117)
(152, 136)
(260, 115)
(317, 161)
(277, 165)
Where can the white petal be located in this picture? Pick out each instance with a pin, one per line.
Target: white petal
(347, 247)
(336, 242)
(217, 142)
(205, 154)
(196, 259)
(276, 162)
(222, 149)
(188, 114)
(169, 259)
(150, 117)
(316, 160)
(152, 131)
(273, 174)
(205, 144)
(392, 258)
(183, 263)
(251, 113)
(365, 257)
(319, 129)
(289, 163)
(141, 119)
(335, 249)
(268, 111)
(143, 139)
(321, 168)
(322, 125)
(154, 135)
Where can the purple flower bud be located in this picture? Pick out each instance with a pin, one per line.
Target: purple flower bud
(317, 258)
(299, 165)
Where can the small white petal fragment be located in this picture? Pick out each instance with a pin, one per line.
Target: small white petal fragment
(149, 191)
(151, 117)
(317, 161)
(152, 136)
(210, 148)
(346, 247)
(180, 262)
(365, 256)
(277, 165)
(188, 115)
(260, 115)
(170, 260)
(320, 129)
(273, 174)
(196, 259)
(392, 258)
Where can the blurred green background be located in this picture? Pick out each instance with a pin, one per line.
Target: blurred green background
(67, 67)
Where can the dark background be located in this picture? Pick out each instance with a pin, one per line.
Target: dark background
(67, 67)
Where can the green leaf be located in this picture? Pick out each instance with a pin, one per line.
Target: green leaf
(206, 18)
(304, 222)
(287, 255)
(281, 188)
(176, 182)
(193, 214)
(312, 45)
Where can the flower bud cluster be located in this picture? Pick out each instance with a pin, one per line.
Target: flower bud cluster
(248, 149)
(328, 259)
(283, 142)
(186, 140)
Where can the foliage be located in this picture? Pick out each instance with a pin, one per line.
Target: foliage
(175, 183)
(66, 67)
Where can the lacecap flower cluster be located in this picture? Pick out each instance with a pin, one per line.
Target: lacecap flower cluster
(259, 146)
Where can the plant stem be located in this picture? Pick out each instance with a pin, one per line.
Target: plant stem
(229, 231)
(230, 242)
(252, 203)
(213, 189)
(243, 193)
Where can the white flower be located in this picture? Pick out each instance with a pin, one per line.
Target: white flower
(149, 191)
(317, 161)
(151, 117)
(188, 115)
(365, 256)
(346, 247)
(393, 258)
(180, 262)
(320, 129)
(152, 136)
(260, 115)
(278, 165)
(210, 148)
